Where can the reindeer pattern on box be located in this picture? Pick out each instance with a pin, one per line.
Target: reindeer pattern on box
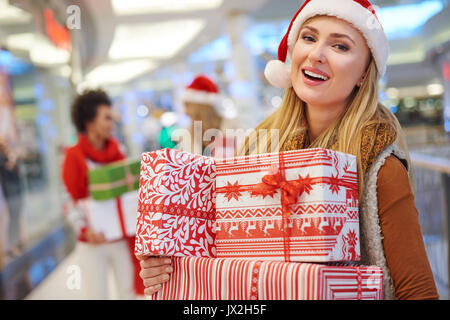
(317, 188)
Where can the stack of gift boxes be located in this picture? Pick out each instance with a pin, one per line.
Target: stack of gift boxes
(269, 226)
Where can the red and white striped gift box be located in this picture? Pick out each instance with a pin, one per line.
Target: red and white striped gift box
(235, 279)
(176, 204)
(290, 206)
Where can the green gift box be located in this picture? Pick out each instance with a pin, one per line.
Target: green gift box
(114, 179)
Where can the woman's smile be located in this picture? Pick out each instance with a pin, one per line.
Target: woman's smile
(314, 77)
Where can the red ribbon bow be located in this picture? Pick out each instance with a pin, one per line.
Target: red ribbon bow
(289, 190)
(289, 194)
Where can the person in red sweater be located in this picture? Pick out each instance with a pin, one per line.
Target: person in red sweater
(92, 116)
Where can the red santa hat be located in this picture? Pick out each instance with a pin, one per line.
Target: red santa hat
(202, 90)
(359, 13)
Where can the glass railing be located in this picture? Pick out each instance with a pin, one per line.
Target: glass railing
(432, 175)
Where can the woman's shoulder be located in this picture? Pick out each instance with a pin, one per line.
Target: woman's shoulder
(73, 154)
(393, 173)
(73, 150)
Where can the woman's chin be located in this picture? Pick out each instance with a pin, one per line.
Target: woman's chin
(311, 96)
(313, 100)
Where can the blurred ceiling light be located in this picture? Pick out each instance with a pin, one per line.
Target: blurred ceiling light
(392, 93)
(397, 21)
(229, 109)
(43, 52)
(10, 14)
(20, 41)
(156, 40)
(131, 7)
(111, 73)
(276, 101)
(435, 89)
(168, 118)
(65, 71)
(142, 111)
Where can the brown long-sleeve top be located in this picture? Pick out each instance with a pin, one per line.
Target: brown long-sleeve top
(403, 243)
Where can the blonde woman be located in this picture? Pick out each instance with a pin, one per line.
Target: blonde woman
(338, 51)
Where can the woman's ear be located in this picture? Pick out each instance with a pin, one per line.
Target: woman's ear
(360, 81)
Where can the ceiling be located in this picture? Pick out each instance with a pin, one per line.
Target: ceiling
(99, 22)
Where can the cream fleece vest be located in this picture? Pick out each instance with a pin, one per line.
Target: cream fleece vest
(372, 251)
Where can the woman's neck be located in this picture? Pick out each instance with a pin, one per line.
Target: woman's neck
(97, 141)
(320, 118)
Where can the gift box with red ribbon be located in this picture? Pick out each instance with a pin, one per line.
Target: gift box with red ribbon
(290, 206)
(234, 279)
(176, 204)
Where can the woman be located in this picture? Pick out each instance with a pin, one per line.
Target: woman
(338, 51)
(202, 103)
(93, 119)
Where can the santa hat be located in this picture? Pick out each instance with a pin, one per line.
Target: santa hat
(359, 13)
(202, 90)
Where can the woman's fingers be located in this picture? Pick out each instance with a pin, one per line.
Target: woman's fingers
(151, 290)
(155, 271)
(154, 262)
(154, 281)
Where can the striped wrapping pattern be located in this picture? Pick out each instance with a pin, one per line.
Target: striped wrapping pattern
(233, 279)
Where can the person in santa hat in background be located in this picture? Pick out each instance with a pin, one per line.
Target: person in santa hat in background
(337, 51)
(93, 118)
(203, 104)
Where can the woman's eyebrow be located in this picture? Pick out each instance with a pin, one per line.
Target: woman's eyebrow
(334, 35)
(340, 35)
(312, 29)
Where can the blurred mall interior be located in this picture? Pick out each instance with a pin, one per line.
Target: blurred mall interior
(144, 53)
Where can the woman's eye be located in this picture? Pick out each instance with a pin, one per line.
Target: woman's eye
(308, 38)
(341, 47)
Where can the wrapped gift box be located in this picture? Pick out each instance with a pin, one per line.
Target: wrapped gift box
(289, 206)
(234, 279)
(112, 180)
(115, 218)
(176, 204)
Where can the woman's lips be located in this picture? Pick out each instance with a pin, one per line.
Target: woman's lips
(316, 73)
(312, 81)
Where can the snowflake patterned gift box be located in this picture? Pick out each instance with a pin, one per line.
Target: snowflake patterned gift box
(176, 204)
(235, 279)
(290, 206)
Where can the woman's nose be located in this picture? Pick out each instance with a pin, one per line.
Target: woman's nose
(317, 54)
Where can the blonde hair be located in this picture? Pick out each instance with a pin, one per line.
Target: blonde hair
(205, 113)
(344, 134)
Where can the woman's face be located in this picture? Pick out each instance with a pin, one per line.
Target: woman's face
(328, 60)
(103, 123)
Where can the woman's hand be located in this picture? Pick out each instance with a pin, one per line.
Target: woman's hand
(154, 272)
(95, 237)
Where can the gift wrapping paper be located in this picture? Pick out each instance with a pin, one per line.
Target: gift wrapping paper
(176, 204)
(115, 218)
(235, 279)
(290, 206)
(114, 179)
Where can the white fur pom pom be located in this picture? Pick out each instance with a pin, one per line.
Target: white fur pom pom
(278, 74)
